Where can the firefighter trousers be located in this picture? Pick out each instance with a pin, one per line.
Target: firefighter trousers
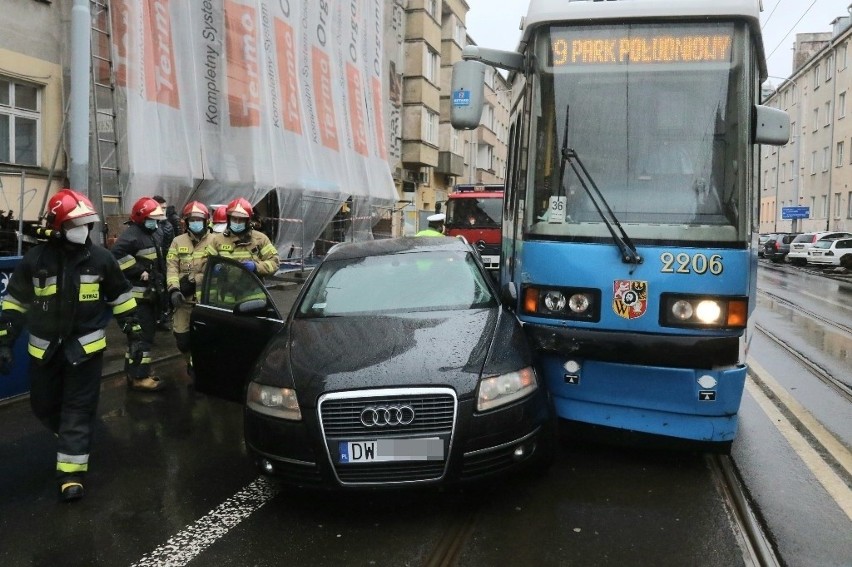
(64, 397)
(147, 313)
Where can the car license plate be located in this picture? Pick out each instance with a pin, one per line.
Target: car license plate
(385, 450)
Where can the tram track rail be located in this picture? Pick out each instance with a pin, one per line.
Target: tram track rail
(836, 384)
(799, 309)
(758, 550)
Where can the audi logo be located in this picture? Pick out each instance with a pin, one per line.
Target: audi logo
(381, 416)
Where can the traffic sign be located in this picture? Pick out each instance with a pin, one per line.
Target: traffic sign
(795, 212)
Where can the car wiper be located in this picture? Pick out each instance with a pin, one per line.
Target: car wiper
(629, 254)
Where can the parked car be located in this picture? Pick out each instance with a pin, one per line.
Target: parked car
(777, 246)
(832, 252)
(761, 240)
(799, 247)
(397, 365)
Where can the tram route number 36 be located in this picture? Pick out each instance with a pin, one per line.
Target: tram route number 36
(684, 263)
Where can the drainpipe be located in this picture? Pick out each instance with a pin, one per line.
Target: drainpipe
(78, 113)
(831, 148)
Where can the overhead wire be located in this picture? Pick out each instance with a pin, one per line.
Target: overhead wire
(791, 29)
(769, 17)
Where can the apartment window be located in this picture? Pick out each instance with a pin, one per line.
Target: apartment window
(813, 208)
(432, 8)
(488, 117)
(20, 122)
(813, 162)
(839, 154)
(823, 201)
(816, 119)
(816, 77)
(837, 205)
(792, 132)
(431, 65)
(430, 127)
(783, 172)
(841, 57)
(826, 158)
(849, 205)
(841, 105)
(828, 113)
(829, 64)
(459, 32)
(454, 141)
(792, 171)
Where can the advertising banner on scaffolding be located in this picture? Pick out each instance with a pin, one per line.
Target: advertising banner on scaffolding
(229, 98)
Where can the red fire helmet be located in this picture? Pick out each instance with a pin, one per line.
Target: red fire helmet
(196, 209)
(239, 208)
(146, 208)
(71, 207)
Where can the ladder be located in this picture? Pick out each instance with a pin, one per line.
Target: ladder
(104, 112)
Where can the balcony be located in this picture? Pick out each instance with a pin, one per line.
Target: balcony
(450, 164)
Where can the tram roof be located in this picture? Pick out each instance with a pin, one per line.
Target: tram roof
(542, 12)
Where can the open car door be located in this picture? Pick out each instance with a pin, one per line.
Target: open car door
(230, 326)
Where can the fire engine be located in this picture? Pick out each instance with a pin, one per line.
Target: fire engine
(475, 211)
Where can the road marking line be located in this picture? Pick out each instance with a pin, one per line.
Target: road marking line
(814, 427)
(184, 546)
(833, 484)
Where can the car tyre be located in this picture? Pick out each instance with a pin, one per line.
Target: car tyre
(846, 262)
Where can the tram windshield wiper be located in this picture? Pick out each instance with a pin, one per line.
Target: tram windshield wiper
(629, 254)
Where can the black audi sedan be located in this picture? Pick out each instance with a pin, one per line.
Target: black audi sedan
(397, 365)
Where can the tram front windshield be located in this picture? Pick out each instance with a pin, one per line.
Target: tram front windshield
(657, 115)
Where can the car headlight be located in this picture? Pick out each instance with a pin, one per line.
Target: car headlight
(273, 401)
(703, 311)
(561, 302)
(496, 391)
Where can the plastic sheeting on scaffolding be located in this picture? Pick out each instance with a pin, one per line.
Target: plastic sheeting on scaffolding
(230, 98)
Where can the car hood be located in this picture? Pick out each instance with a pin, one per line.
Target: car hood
(448, 348)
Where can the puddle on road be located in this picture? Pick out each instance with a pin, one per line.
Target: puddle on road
(833, 343)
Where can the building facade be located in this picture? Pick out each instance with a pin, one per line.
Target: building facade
(814, 169)
(32, 80)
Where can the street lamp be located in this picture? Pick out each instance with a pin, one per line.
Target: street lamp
(794, 139)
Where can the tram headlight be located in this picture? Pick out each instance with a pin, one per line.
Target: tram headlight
(561, 303)
(703, 311)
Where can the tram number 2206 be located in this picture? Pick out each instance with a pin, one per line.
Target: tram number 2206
(684, 263)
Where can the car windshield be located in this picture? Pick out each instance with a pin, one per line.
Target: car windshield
(804, 238)
(397, 283)
(823, 244)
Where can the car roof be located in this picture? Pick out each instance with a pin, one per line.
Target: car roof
(389, 246)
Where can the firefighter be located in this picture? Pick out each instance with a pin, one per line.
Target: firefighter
(220, 219)
(143, 262)
(63, 291)
(240, 242)
(185, 262)
(436, 226)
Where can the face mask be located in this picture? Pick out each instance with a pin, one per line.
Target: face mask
(77, 235)
(150, 224)
(237, 227)
(219, 227)
(196, 226)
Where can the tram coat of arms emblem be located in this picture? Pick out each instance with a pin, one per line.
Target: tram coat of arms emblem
(629, 298)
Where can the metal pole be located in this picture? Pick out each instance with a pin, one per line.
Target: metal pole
(21, 215)
(81, 31)
(302, 273)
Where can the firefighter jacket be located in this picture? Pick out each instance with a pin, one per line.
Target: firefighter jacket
(137, 251)
(185, 262)
(251, 245)
(64, 294)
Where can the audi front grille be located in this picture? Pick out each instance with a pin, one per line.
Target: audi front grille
(390, 413)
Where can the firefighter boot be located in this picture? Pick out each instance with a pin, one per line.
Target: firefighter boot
(70, 489)
(147, 384)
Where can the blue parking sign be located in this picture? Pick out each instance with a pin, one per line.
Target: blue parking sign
(795, 212)
(461, 98)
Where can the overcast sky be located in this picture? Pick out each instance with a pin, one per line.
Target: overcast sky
(495, 27)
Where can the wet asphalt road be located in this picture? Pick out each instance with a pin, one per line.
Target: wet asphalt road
(170, 484)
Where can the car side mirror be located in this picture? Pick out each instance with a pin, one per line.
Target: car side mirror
(251, 307)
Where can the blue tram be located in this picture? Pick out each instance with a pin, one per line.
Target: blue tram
(631, 206)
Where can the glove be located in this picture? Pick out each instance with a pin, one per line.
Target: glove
(187, 286)
(250, 265)
(177, 299)
(135, 351)
(6, 360)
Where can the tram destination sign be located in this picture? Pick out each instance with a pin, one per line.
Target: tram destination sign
(795, 213)
(577, 47)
